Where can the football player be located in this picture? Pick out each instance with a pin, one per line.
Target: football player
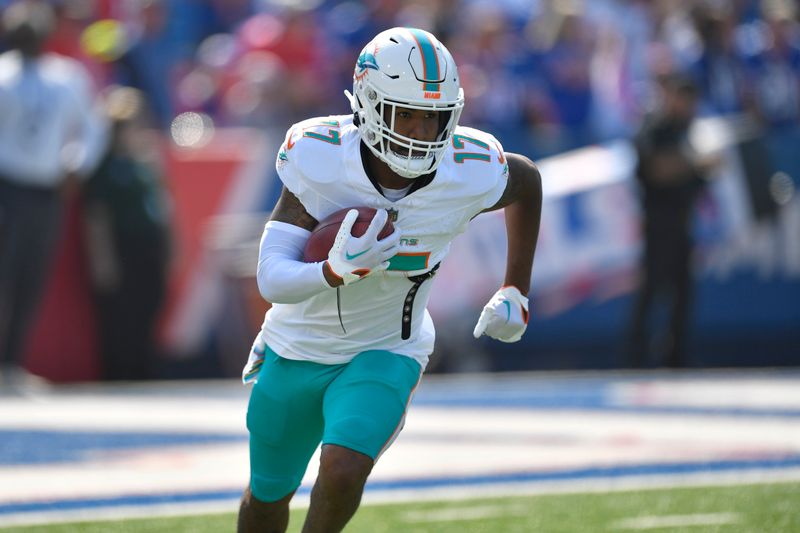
(346, 340)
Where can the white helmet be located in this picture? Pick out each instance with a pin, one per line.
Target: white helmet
(410, 68)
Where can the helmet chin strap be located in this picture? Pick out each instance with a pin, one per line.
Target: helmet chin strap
(352, 100)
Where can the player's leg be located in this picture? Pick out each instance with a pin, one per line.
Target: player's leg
(652, 272)
(266, 517)
(675, 356)
(285, 421)
(28, 240)
(638, 335)
(338, 488)
(365, 409)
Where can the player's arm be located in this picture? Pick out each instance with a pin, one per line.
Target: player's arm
(289, 210)
(522, 201)
(283, 276)
(505, 317)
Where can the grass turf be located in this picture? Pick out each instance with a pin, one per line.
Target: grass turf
(729, 509)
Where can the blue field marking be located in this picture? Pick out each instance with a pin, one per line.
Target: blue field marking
(566, 394)
(34, 447)
(592, 473)
(583, 395)
(118, 501)
(608, 472)
(532, 403)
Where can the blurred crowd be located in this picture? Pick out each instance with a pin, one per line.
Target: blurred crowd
(543, 75)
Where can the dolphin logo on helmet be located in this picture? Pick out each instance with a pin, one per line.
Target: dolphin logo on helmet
(366, 60)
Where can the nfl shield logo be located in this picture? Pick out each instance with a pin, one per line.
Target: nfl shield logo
(392, 214)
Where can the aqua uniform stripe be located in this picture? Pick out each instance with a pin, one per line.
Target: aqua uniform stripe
(430, 61)
(408, 262)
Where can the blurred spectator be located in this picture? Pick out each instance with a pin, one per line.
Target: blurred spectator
(671, 175)
(553, 75)
(148, 63)
(49, 135)
(619, 69)
(775, 61)
(297, 40)
(72, 17)
(721, 68)
(775, 64)
(567, 74)
(128, 236)
(487, 53)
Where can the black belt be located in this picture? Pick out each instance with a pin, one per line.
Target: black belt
(408, 304)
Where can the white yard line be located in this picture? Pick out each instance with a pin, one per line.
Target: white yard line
(685, 520)
(455, 514)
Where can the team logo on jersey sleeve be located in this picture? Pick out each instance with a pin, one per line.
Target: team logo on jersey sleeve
(283, 159)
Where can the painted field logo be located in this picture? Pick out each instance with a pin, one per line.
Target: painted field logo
(433, 95)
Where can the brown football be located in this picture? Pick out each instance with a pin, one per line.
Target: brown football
(321, 239)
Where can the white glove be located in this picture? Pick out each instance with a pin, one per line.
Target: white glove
(505, 317)
(352, 258)
(254, 361)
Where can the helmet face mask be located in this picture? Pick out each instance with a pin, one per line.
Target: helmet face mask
(409, 69)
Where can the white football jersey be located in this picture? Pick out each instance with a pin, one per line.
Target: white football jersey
(320, 162)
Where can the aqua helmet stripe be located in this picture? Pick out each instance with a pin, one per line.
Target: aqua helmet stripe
(430, 61)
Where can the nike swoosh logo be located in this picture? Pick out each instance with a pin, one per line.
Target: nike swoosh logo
(289, 143)
(508, 310)
(351, 257)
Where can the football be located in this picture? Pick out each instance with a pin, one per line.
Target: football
(321, 239)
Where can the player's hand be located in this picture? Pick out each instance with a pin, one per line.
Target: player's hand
(254, 361)
(505, 317)
(352, 258)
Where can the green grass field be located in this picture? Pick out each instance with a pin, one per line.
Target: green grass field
(767, 508)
